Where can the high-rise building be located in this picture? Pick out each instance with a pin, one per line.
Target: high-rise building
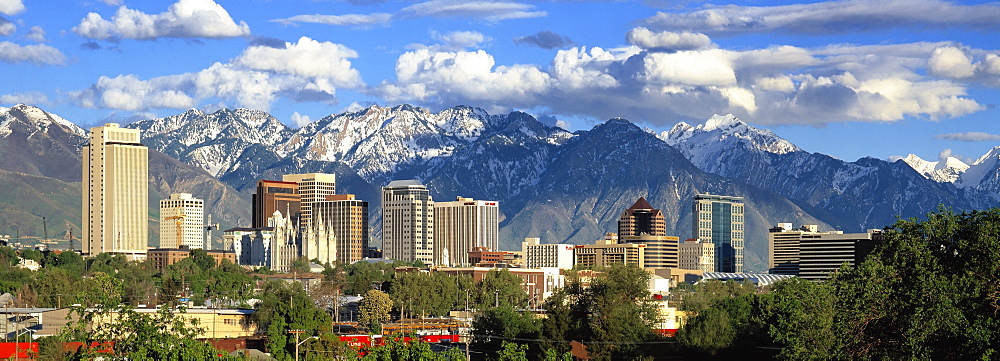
(274, 196)
(182, 221)
(641, 218)
(693, 254)
(115, 192)
(719, 220)
(661, 251)
(407, 222)
(807, 253)
(313, 187)
(339, 231)
(538, 255)
(463, 225)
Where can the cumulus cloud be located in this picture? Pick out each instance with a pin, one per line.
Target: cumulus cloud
(11, 7)
(36, 33)
(7, 27)
(357, 20)
(970, 137)
(489, 10)
(951, 62)
(830, 17)
(775, 85)
(33, 98)
(308, 70)
(12, 53)
(183, 19)
(299, 120)
(545, 40)
(667, 40)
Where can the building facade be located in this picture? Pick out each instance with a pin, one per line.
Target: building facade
(605, 254)
(312, 187)
(641, 218)
(807, 253)
(341, 229)
(182, 221)
(274, 246)
(407, 222)
(719, 220)
(462, 226)
(661, 251)
(693, 254)
(115, 192)
(538, 255)
(163, 257)
(274, 196)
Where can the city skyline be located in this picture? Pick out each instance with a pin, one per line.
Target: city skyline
(850, 71)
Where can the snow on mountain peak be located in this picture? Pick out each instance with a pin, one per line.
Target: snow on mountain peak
(949, 170)
(721, 122)
(36, 117)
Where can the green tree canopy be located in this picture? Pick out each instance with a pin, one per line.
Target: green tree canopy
(373, 310)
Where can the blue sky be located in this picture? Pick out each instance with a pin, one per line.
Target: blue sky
(845, 78)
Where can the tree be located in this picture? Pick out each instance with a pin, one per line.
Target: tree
(803, 319)
(374, 310)
(495, 325)
(500, 287)
(398, 350)
(930, 290)
(510, 351)
(285, 307)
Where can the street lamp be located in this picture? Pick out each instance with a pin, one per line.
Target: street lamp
(297, 343)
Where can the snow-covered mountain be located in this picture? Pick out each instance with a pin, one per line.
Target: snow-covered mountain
(213, 141)
(39, 143)
(723, 137)
(945, 171)
(984, 173)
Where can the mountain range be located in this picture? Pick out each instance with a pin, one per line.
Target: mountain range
(563, 187)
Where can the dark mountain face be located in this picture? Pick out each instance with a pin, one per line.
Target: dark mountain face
(35, 142)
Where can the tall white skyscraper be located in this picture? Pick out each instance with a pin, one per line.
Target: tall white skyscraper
(719, 220)
(407, 222)
(182, 221)
(115, 192)
(313, 187)
(462, 225)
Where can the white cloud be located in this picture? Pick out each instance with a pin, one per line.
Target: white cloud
(38, 54)
(11, 7)
(776, 85)
(950, 62)
(36, 33)
(667, 40)
(460, 77)
(184, 19)
(300, 120)
(830, 17)
(304, 71)
(460, 40)
(32, 98)
(358, 20)
(7, 27)
(113, 2)
(488, 10)
(970, 137)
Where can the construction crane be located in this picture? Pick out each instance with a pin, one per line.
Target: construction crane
(180, 221)
(209, 226)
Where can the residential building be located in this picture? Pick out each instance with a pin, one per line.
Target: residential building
(719, 220)
(463, 225)
(274, 196)
(660, 252)
(693, 254)
(340, 228)
(605, 254)
(163, 257)
(115, 192)
(407, 222)
(182, 221)
(215, 322)
(538, 255)
(641, 218)
(807, 253)
(538, 283)
(312, 187)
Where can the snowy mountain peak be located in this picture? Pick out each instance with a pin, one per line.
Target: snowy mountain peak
(35, 119)
(722, 122)
(945, 171)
